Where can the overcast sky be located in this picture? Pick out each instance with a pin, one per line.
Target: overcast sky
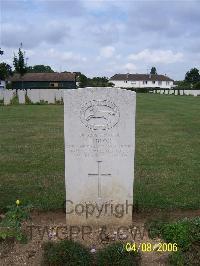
(104, 37)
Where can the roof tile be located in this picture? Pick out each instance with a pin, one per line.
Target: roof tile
(44, 77)
(138, 77)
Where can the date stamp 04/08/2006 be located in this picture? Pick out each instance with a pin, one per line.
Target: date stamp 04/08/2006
(149, 247)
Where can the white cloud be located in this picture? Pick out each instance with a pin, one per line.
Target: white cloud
(157, 56)
(148, 31)
(33, 35)
(65, 56)
(130, 67)
(107, 51)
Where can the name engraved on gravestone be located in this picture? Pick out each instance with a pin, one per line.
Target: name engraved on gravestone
(102, 142)
(99, 175)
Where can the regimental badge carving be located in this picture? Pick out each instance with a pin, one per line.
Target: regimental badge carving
(99, 114)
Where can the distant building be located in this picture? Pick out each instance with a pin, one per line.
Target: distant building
(44, 81)
(142, 81)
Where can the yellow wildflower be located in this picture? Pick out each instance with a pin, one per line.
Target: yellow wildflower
(17, 202)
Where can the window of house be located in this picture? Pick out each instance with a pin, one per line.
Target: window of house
(145, 82)
(159, 82)
(167, 82)
(53, 84)
(153, 82)
(125, 81)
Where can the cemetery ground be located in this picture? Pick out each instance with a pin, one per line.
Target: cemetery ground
(166, 162)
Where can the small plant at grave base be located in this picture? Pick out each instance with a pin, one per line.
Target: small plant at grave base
(11, 224)
(115, 254)
(66, 252)
(59, 101)
(155, 227)
(27, 100)
(185, 233)
(14, 100)
(43, 102)
(189, 257)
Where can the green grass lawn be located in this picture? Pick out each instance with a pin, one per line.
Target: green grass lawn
(167, 168)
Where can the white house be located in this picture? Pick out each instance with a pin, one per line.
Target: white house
(142, 81)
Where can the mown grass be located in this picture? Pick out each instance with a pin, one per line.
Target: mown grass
(167, 165)
(167, 173)
(32, 155)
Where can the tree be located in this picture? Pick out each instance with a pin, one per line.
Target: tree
(83, 80)
(93, 82)
(192, 76)
(39, 69)
(197, 85)
(153, 71)
(19, 63)
(5, 70)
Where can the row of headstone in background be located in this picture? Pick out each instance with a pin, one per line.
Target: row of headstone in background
(35, 96)
(178, 92)
(53, 95)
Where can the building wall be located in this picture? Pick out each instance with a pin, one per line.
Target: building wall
(142, 84)
(43, 85)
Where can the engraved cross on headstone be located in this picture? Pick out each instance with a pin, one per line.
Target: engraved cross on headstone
(99, 175)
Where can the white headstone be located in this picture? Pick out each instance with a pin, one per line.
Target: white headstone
(58, 95)
(34, 95)
(99, 154)
(51, 96)
(194, 92)
(8, 95)
(43, 95)
(1, 94)
(21, 96)
(47, 95)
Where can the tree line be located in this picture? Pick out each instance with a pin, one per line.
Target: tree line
(192, 77)
(21, 68)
